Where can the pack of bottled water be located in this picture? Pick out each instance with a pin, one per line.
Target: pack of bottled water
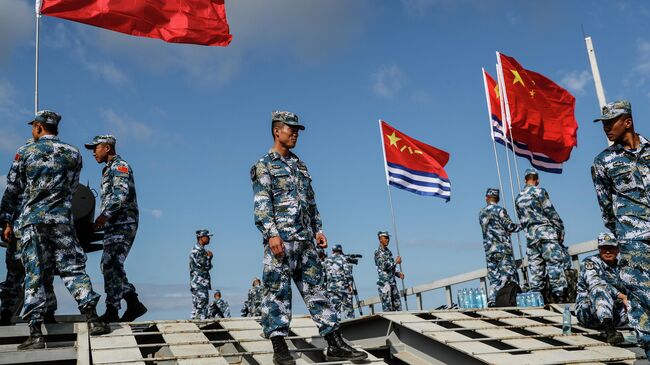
(530, 299)
(472, 298)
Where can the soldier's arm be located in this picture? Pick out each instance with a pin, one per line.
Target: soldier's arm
(116, 198)
(263, 201)
(226, 312)
(77, 174)
(317, 223)
(507, 222)
(593, 278)
(604, 195)
(9, 205)
(551, 213)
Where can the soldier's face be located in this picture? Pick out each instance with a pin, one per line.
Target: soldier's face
(288, 135)
(383, 240)
(615, 129)
(101, 153)
(204, 240)
(217, 296)
(608, 253)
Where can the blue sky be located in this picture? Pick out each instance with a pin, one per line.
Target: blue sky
(192, 120)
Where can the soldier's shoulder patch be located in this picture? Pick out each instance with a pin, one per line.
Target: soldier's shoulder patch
(123, 169)
(17, 157)
(589, 265)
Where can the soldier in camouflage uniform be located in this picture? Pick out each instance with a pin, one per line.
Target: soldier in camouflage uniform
(601, 301)
(337, 271)
(219, 308)
(387, 272)
(497, 228)
(200, 266)
(119, 220)
(547, 257)
(253, 304)
(45, 174)
(287, 216)
(621, 175)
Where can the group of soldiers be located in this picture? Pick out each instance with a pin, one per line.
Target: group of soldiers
(38, 228)
(613, 287)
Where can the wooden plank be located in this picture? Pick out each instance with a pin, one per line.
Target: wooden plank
(121, 347)
(83, 343)
(255, 343)
(190, 333)
(38, 356)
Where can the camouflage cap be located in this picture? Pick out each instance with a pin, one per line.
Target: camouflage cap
(287, 118)
(614, 110)
(203, 233)
(337, 248)
(106, 138)
(531, 171)
(492, 192)
(217, 291)
(607, 239)
(383, 233)
(46, 117)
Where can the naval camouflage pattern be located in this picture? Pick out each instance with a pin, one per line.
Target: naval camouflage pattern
(119, 200)
(284, 201)
(621, 178)
(598, 287)
(200, 266)
(253, 304)
(118, 240)
(219, 309)
(497, 228)
(338, 274)
(386, 283)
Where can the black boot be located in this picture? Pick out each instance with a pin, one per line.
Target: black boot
(95, 325)
(49, 318)
(5, 317)
(557, 298)
(281, 355)
(111, 315)
(134, 308)
(35, 339)
(338, 349)
(611, 334)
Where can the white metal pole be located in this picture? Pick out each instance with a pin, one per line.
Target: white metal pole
(595, 72)
(494, 144)
(38, 22)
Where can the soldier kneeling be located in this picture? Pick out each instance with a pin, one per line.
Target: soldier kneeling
(601, 303)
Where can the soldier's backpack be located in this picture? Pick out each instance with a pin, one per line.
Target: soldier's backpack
(507, 296)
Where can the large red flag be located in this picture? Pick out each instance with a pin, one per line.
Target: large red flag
(178, 21)
(541, 113)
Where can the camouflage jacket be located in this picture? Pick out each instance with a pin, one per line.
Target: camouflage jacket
(497, 227)
(622, 182)
(200, 266)
(253, 304)
(222, 305)
(386, 267)
(284, 199)
(337, 271)
(119, 201)
(41, 182)
(594, 272)
(537, 214)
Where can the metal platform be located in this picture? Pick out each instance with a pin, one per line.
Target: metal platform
(483, 336)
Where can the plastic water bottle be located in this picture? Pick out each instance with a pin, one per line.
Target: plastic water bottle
(466, 301)
(483, 298)
(529, 299)
(460, 298)
(520, 300)
(472, 298)
(566, 320)
(539, 299)
(478, 299)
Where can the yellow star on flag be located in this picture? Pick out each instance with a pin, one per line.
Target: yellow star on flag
(496, 91)
(393, 139)
(532, 93)
(517, 78)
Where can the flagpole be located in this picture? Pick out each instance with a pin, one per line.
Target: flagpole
(392, 211)
(494, 144)
(595, 72)
(38, 22)
(505, 117)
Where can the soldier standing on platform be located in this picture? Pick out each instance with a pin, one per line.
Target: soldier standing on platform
(219, 308)
(253, 304)
(387, 272)
(621, 175)
(200, 266)
(43, 177)
(337, 270)
(119, 220)
(497, 228)
(287, 216)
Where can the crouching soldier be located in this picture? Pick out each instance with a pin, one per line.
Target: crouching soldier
(601, 304)
(219, 308)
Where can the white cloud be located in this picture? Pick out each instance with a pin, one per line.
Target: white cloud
(16, 24)
(156, 213)
(124, 127)
(387, 81)
(576, 81)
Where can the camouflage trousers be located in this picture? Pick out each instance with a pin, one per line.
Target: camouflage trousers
(50, 247)
(341, 303)
(300, 263)
(547, 259)
(501, 268)
(389, 296)
(635, 275)
(598, 306)
(199, 301)
(348, 306)
(117, 244)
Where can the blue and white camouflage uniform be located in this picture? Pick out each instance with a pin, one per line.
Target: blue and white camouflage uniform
(348, 304)
(46, 174)
(622, 181)
(598, 287)
(284, 206)
(253, 304)
(501, 266)
(223, 307)
(200, 266)
(386, 283)
(337, 271)
(120, 206)
(547, 256)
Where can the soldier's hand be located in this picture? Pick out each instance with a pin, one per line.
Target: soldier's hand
(401, 275)
(209, 253)
(99, 222)
(321, 240)
(277, 246)
(623, 298)
(398, 260)
(7, 233)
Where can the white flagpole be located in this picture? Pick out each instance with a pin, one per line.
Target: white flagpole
(38, 22)
(504, 101)
(494, 144)
(392, 211)
(595, 72)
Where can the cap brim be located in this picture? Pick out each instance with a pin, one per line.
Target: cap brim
(90, 146)
(602, 117)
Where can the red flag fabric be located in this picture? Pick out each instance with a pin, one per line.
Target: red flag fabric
(413, 165)
(177, 21)
(542, 114)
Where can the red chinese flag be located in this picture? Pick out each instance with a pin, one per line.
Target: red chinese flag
(542, 114)
(178, 21)
(493, 95)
